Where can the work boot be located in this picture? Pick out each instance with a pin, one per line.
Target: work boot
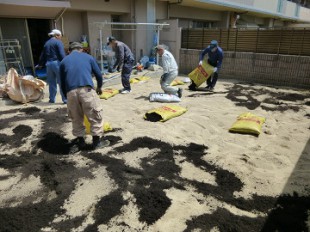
(180, 92)
(97, 143)
(81, 143)
(192, 86)
(77, 145)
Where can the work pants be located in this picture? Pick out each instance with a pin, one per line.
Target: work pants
(126, 71)
(85, 101)
(165, 82)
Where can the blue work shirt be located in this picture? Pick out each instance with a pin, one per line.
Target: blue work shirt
(215, 58)
(76, 71)
(53, 50)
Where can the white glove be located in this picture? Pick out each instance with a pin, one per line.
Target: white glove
(200, 63)
(215, 69)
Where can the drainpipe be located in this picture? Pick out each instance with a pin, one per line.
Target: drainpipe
(58, 17)
(172, 3)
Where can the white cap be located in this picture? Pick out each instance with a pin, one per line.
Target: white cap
(55, 32)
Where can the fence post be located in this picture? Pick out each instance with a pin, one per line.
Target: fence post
(203, 36)
(257, 38)
(228, 34)
(279, 46)
(236, 40)
(289, 48)
(187, 36)
(220, 37)
(302, 42)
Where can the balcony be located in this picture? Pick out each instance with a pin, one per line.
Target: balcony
(281, 9)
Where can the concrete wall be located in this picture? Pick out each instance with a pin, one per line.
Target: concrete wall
(267, 5)
(176, 11)
(119, 6)
(304, 14)
(290, 9)
(171, 36)
(280, 70)
(73, 25)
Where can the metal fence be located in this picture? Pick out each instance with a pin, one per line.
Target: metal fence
(287, 41)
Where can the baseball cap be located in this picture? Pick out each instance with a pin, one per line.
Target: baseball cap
(110, 39)
(75, 45)
(213, 44)
(54, 32)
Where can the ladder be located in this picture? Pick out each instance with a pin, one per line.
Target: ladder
(10, 56)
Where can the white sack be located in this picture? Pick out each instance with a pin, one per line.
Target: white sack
(163, 97)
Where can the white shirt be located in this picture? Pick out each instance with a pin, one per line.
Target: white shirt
(168, 62)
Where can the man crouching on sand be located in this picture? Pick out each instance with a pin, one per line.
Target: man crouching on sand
(170, 67)
(76, 82)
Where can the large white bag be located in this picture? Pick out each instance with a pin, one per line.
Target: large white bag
(163, 97)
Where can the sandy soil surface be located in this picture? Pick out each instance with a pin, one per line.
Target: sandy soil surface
(186, 174)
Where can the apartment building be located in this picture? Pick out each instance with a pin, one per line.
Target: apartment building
(29, 21)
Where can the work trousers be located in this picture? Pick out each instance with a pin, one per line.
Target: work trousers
(85, 101)
(53, 78)
(211, 81)
(126, 71)
(165, 82)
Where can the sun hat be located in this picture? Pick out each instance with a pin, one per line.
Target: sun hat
(54, 32)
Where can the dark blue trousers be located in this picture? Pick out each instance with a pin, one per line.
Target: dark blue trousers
(126, 71)
(211, 82)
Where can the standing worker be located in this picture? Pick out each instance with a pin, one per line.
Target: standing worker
(76, 82)
(215, 58)
(124, 62)
(170, 68)
(52, 54)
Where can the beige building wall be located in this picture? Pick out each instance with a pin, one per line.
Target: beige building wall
(304, 14)
(119, 6)
(93, 18)
(290, 9)
(171, 37)
(267, 5)
(243, 2)
(161, 10)
(177, 11)
(72, 25)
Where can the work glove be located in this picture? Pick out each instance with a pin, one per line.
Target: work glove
(200, 63)
(215, 69)
(164, 77)
(99, 91)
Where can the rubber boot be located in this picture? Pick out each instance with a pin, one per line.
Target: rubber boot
(77, 145)
(97, 143)
(81, 143)
(192, 86)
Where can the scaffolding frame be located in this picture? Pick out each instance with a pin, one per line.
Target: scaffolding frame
(157, 27)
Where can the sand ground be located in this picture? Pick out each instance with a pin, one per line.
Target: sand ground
(186, 174)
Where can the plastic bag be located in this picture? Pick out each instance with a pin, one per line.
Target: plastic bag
(163, 97)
